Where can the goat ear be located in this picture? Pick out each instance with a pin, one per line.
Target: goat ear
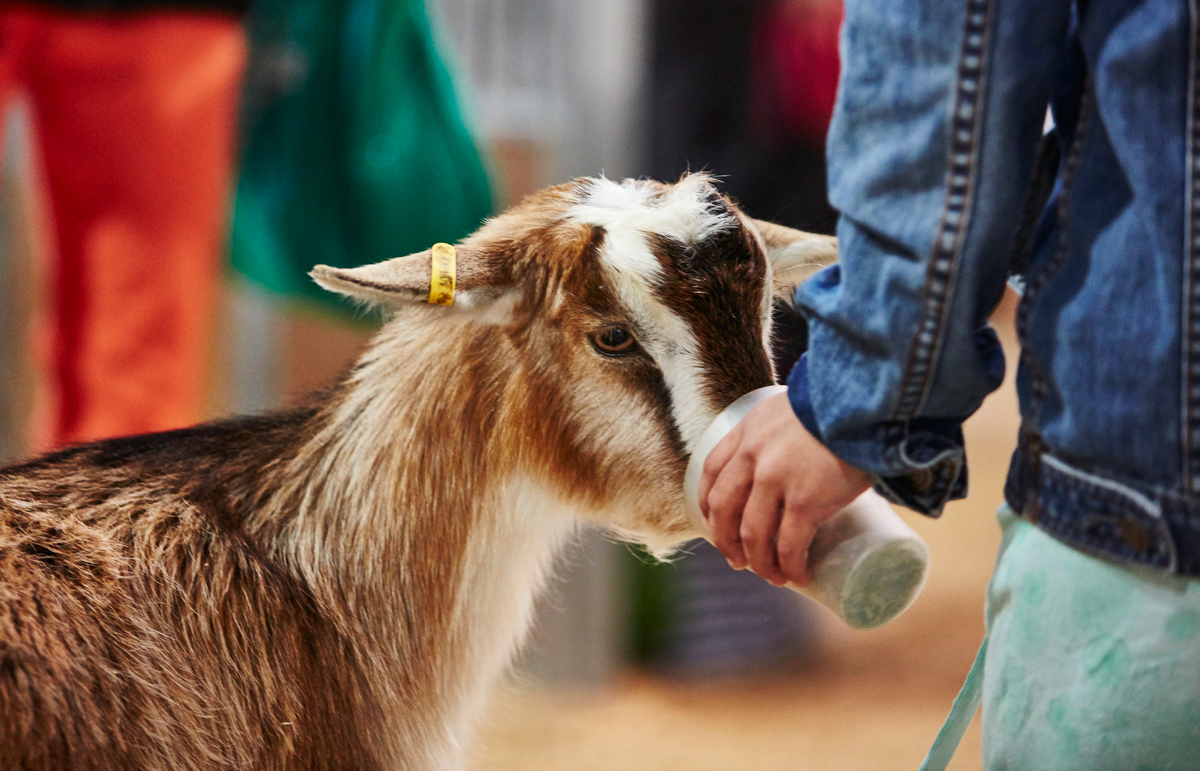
(406, 279)
(794, 255)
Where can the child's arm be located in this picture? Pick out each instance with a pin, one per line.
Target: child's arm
(940, 108)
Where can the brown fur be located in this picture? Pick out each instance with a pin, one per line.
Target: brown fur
(337, 586)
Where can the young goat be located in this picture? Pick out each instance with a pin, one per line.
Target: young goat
(338, 586)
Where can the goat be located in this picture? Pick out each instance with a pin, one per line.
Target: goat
(338, 585)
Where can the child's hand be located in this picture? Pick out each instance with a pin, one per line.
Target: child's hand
(766, 487)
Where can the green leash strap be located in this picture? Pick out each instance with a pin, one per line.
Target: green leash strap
(959, 718)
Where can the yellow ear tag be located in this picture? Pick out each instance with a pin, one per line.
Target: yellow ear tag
(441, 274)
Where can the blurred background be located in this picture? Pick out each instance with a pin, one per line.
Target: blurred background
(348, 132)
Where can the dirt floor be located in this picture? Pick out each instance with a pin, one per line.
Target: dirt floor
(870, 700)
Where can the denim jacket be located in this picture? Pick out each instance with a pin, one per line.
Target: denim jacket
(940, 111)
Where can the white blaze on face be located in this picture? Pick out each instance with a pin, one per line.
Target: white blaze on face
(630, 212)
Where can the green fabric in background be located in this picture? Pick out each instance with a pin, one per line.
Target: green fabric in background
(354, 148)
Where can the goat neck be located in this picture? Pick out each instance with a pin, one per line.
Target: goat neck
(408, 505)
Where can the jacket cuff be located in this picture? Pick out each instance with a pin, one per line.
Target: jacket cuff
(798, 395)
(919, 464)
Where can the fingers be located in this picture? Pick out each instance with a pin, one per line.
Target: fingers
(769, 458)
(760, 525)
(752, 527)
(726, 501)
(792, 545)
(715, 463)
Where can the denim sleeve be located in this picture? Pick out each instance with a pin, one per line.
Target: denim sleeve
(940, 108)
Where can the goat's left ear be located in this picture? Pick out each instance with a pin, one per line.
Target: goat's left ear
(794, 255)
(402, 280)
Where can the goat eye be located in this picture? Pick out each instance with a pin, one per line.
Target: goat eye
(613, 341)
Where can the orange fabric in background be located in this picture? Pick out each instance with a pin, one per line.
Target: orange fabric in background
(135, 117)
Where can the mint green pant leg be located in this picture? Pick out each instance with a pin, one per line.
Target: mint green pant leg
(1089, 665)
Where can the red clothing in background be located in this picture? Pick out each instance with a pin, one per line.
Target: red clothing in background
(134, 114)
(797, 55)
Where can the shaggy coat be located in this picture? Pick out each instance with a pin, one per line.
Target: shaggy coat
(337, 586)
